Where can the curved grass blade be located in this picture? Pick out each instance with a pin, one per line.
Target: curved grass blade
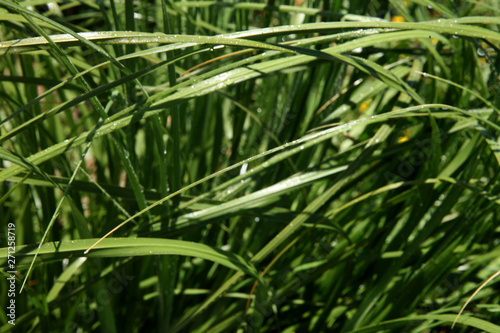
(400, 322)
(472, 296)
(297, 222)
(135, 246)
(290, 149)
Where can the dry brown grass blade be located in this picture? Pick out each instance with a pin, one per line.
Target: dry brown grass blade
(475, 293)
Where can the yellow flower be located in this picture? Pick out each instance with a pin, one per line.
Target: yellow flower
(404, 137)
(397, 18)
(364, 105)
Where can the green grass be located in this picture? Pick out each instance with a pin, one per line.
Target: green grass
(330, 166)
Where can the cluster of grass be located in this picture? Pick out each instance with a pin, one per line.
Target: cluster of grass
(308, 166)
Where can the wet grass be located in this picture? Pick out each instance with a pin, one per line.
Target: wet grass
(326, 166)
